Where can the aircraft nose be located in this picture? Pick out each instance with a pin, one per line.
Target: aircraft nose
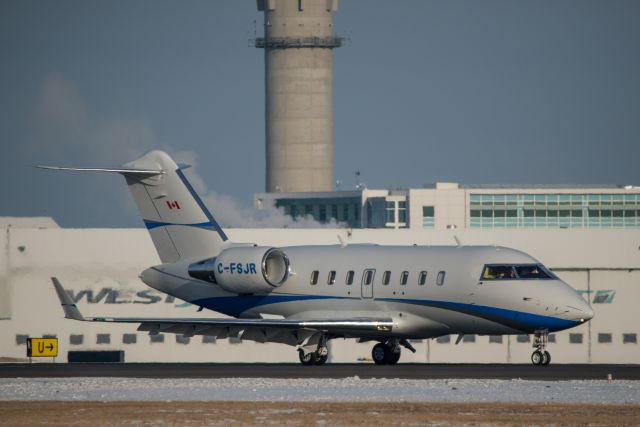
(581, 310)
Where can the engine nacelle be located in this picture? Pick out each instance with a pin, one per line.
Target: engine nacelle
(245, 270)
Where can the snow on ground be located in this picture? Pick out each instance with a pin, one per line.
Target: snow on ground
(314, 389)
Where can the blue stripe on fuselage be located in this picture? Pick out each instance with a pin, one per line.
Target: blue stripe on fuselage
(525, 322)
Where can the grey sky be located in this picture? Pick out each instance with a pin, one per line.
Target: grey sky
(467, 91)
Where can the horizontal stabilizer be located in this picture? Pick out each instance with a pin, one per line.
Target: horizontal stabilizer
(124, 171)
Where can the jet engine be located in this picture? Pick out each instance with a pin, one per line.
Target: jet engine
(245, 270)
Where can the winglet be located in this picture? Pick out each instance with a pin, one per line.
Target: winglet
(69, 307)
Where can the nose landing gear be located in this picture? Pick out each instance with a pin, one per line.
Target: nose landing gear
(540, 357)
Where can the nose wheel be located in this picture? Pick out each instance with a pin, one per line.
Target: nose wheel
(540, 357)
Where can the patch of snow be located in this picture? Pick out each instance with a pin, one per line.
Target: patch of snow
(318, 390)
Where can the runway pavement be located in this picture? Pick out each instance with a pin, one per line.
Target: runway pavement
(555, 372)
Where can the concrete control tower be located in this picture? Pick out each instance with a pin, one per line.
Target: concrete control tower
(298, 42)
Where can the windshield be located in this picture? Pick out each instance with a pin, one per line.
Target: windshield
(515, 271)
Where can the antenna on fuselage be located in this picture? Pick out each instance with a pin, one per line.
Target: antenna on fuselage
(458, 242)
(343, 244)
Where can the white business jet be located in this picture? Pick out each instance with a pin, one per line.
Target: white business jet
(305, 296)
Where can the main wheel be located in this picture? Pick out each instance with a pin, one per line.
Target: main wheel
(380, 354)
(546, 358)
(394, 358)
(537, 357)
(321, 360)
(307, 359)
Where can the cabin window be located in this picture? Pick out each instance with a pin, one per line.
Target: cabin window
(404, 277)
(422, 278)
(349, 279)
(368, 277)
(510, 272)
(440, 278)
(332, 278)
(386, 277)
(314, 277)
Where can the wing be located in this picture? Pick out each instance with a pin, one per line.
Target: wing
(286, 331)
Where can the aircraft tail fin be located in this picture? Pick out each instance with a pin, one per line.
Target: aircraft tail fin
(179, 223)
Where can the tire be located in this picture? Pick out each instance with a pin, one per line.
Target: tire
(546, 358)
(537, 358)
(394, 358)
(307, 359)
(321, 360)
(380, 354)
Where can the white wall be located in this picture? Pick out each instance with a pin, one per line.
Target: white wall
(98, 259)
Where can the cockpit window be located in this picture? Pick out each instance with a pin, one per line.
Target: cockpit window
(531, 272)
(510, 272)
(498, 272)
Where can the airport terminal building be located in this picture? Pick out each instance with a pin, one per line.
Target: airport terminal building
(455, 206)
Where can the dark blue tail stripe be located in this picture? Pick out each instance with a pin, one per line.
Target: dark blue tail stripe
(212, 221)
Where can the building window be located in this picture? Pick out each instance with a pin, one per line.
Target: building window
(551, 338)
(386, 277)
(314, 277)
(182, 339)
(495, 339)
(468, 338)
(349, 278)
(523, 338)
(332, 278)
(323, 213)
(440, 278)
(554, 210)
(444, 339)
(428, 217)
(629, 339)
(103, 339)
(604, 338)
(575, 338)
(208, 339)
(76, 339)
(402, 212)
(422, 279)
(390, 212)
(129, 338)
(404, 278)
(21, 339)
(308, 210)
(156, 338)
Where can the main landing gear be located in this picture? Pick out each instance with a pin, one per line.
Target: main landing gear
(388, 352)
(540, 357)
(317, 357)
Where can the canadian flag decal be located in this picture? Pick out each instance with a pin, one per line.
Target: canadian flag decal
(173, 204)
